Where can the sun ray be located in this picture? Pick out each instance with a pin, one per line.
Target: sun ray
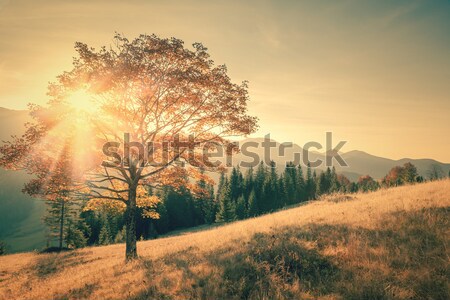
(82, 101)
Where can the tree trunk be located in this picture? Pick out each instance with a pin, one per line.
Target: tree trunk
(61, 226)
(130, 220)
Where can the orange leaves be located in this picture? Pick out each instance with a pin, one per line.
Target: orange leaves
(148, 204)
(174, 176)
(109, 205)
(401, 174)
(116, 202)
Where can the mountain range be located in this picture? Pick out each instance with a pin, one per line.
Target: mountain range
(22, 230)
(359, 162)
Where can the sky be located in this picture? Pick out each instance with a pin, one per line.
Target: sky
(375, 73)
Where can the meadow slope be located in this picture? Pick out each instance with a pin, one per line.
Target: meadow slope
(389, 244)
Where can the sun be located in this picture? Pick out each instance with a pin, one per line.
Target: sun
(82, 101)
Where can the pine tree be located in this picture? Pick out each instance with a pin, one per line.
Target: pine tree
(179, 207)
(334, 182)
(260, 178)
(253, 209)
(269, 200)
(220, 185)
(314, 185)
(55, 184)
(241, 182)
(227, 209)
(104, 237)
(59, 214)
(74, 237)
(162, 224)
(290, 184)
(120, 236)
(281, 191)
(248, 183)
(310, 183)
(201, 201)
(90, 225)
(324, 183)
(301, 185)
(241, 208)
(236, 181)
(211, 206)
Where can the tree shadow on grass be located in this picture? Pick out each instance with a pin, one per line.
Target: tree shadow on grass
(50, 264)
(405, 258)
(79, 293)
(266, 266)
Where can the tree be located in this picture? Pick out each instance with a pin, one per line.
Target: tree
(162, 224)
(301, 185)
(227, 208)
(74, 237)
(260, 177)
(241, 208)
(269, 199)
(394, 177)
(253, 209)
(104, 237)
(236, 182)
(54, 182)
(334, 181)
(324, 183)
(282, 195)
(400, 175)
(435, 172)
(248, 183)
(120, 236)
(409, 174)
(310, 183)
(290, 183)
(211, 206)
(203, 199)
(60, 215)
(155, 90)
(367, 183)
(222, 179)
(180, 208)
(344, 184)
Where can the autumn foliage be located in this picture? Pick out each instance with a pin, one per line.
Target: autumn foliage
(156, 90)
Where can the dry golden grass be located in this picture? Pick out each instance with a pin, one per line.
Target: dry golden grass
(388, 244)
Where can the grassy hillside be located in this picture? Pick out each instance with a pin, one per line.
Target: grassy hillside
(390, 244)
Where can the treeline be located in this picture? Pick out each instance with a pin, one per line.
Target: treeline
(263, 190)
(239, 195)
